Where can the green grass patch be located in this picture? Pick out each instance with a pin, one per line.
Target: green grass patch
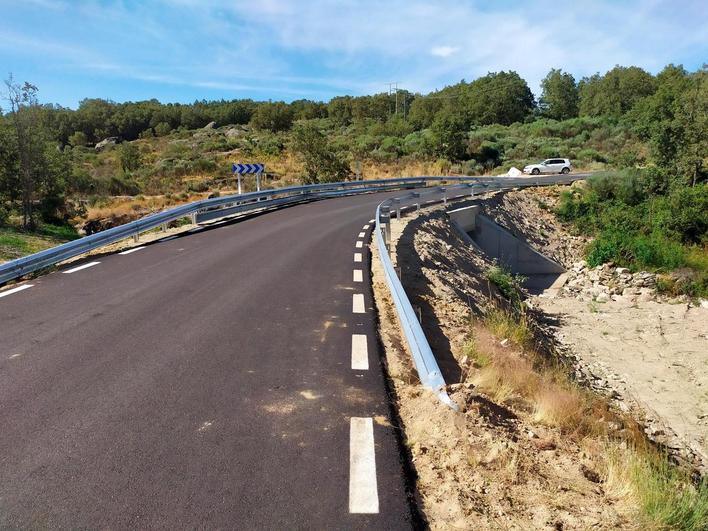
(665, 496)
(16, 243)
(509, 325)
(470, 349)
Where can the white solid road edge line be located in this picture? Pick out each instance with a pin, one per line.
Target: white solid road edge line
(357, 257)
(358, 275)
(360, 353)
(358, 303)
(363, 492)
(79, 268)
(359, 244)
(132, 250)
(15, 290)
(168, 238)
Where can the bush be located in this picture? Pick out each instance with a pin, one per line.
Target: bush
(199, 187)
(640, 220)
(508, 284)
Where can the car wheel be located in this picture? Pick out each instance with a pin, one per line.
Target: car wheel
(535, 171)
(565, 170)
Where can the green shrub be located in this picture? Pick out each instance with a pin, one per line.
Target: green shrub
(508, 284)
(199, 187)
(639, 218)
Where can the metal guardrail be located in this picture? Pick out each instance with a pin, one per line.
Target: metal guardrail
(203, 210)
(207, 209)
(423, 358)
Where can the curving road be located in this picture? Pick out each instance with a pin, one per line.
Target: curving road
(203, 382)
(224, 379)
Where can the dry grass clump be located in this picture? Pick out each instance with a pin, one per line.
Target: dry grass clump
(633, 472)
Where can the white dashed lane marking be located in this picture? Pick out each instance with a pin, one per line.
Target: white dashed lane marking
(358, 303)
(357, 257)
(358, 275)
(360, 353)
(362, 235)
(363, 492)
(15, 290)
(132, 250)
(371, 221)
(365, 227)
(359, 244)
(85, 266)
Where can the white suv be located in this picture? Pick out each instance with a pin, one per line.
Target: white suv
(549, 166)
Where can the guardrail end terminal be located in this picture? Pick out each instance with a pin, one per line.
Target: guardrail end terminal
(445, 399)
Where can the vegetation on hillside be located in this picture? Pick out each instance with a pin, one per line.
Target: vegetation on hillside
(649, 128)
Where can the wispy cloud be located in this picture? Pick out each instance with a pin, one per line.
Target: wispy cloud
(320, 48)
(444, 51)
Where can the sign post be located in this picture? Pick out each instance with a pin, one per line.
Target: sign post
(243, 169)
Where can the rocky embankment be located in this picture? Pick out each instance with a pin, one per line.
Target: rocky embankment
(606, 282)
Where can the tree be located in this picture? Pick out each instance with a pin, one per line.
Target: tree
(339, 109)
(691, 119)
(497, 98)
(9, 163)
(78, 139)
(615, 93)
(559, 99)
(129, 157)
(322, 163)
(28, 136)
(449, 134)
(423, 110)
(273, 117)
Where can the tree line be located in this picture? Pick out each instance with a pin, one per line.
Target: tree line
(668, 110)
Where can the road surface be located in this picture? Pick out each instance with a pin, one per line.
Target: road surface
(223, 379)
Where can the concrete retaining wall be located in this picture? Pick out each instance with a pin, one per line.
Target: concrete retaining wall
(500, 244)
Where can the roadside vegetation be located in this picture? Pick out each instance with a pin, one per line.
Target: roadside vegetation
(508, 367)
(645, 220)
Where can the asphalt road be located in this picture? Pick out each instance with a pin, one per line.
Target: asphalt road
(204, 382)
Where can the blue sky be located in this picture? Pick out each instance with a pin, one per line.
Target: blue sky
(182, 50)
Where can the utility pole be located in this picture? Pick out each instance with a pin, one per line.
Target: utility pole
(393, 87)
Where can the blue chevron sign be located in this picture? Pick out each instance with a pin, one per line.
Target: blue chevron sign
(247, 168)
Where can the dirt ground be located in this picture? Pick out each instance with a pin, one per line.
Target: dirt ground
(655, 355)
(652, 355)
(488, 466)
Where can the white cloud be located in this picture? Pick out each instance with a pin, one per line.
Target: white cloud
(444, 51)
(356, 46)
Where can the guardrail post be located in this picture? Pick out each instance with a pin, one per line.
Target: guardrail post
(193, 217)
(471, 190)
(386, 215)
(397, 202)
(136, 237)
(163, 227)
(444, 191)
(416, 195)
